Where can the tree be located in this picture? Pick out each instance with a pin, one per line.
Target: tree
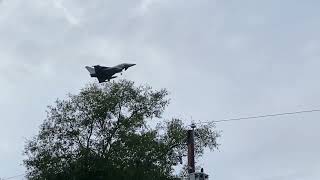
(106, 131)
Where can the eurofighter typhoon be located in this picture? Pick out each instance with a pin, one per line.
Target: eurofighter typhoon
(104, 74)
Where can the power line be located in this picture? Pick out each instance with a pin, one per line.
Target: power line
(260, 116)
(13, 177)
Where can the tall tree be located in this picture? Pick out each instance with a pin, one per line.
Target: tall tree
(105, 132)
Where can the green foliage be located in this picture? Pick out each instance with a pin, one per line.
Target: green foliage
(103, 133)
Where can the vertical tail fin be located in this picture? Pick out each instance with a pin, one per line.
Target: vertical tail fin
(91, 71)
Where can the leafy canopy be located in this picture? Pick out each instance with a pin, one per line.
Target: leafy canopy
(104, 132)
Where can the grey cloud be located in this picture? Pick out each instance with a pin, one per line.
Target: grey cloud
(219, 59)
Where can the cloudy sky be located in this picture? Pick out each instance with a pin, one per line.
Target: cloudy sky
(218, 58)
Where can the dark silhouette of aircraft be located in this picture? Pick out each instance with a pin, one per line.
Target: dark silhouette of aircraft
(104, 74)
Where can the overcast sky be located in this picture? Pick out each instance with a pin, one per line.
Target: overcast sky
(218, 58)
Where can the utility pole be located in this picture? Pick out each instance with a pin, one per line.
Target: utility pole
(193, 175)
(191, 161)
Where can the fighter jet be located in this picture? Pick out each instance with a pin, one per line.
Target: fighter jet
(103, 73)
